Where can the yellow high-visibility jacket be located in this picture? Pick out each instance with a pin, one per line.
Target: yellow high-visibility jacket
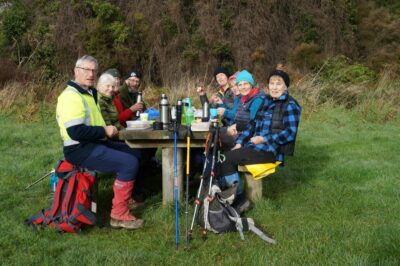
(80, 121)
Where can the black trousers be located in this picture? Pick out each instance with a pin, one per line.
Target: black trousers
(244, 156)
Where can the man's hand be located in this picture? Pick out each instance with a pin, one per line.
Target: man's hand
(231, 131)
(137, 107)
(237, 146)
(111, 131)
(201, 90)
(257, 140)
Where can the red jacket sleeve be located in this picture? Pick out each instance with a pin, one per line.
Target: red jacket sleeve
(123, 115)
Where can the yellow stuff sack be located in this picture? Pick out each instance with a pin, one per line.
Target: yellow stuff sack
(261, 170)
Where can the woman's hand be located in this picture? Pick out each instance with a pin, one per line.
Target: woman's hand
(257, 140)
(231, 131)
(221, 111)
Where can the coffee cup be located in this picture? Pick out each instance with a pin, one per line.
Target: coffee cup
(144, 116)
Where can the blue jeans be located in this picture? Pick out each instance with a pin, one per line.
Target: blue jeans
(114, 157)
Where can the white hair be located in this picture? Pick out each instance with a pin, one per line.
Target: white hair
(104, 79)
(88, 58)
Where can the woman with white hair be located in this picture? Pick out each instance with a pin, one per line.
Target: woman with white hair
(110, 103)
(107, 87)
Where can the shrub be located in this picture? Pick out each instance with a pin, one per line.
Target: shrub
(306, 56)
(222, 51)
(15, 22)
(308, 29)
(340, 69)
(169, 27)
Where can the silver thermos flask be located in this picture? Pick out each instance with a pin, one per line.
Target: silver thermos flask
(138, 100)
(164, 111)
(206, 112)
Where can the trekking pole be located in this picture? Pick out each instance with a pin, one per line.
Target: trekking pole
(197, 201)
(38, 180)
(187, 184)
(212, 175)
(175, 124)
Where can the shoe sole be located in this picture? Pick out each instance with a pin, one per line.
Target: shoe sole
(117, 224)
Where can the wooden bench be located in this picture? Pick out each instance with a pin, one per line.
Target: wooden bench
(253, 175)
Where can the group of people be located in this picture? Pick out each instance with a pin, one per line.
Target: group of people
(88, 133)
(258, 127)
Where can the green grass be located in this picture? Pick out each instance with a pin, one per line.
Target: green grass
(336, 202)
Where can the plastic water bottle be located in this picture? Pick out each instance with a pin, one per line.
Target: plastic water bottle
(187, 108)
(184, 110)
(53, 181)
(189, 113)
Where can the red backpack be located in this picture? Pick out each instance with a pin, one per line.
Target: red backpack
(72, 200)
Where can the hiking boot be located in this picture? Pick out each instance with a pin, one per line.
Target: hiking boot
(133, 204)
(120, 215)
(242, 204)
(130, 224)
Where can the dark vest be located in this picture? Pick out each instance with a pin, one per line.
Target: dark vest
(242, 115)
(277, 124)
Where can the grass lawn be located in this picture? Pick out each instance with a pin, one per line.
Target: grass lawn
(336, 202)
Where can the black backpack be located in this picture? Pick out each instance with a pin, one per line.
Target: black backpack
(219, 216)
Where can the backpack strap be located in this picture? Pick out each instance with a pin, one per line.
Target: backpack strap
(245, 224)
(69, 195)
(234, 217)
(55, 209)
(255, 230)
(38, 219)
(88, 216)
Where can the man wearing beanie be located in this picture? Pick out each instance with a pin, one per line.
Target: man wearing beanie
(224, 96)
(129, 92)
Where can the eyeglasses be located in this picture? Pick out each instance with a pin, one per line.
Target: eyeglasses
(88, 69)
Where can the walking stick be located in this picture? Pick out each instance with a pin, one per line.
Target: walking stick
(187, 183)
(214, 158)
(175, 128)
(197, 201)
(40, 179)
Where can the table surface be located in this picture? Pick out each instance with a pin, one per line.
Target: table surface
(149, 138)
(149, 134)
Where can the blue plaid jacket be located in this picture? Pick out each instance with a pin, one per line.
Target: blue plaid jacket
(262, 125)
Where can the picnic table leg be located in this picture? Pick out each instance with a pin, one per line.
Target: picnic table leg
(254, 187)
(168, 173)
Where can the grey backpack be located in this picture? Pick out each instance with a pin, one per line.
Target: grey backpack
(219, 216)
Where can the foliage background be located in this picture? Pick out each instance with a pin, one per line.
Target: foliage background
(170, 39)
(336, 201)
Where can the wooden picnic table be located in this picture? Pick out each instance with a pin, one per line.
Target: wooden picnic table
(164, 139)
